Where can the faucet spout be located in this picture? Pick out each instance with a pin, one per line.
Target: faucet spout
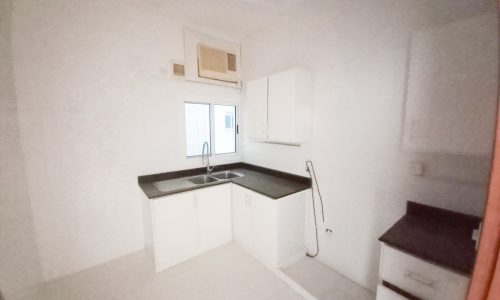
(209, 168)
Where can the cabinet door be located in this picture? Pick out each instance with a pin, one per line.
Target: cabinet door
(242, 216)
(281, 107)
(421, 278)
(264, 222)
(214, 215)
(175, 231)
(256, 103)
(254, 224)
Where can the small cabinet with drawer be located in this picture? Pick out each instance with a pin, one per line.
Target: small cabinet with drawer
(415, 278)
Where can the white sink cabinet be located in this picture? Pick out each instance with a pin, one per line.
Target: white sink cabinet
(183, 225)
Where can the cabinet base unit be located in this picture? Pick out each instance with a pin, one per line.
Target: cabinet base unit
(181, 226)
(272, 230)
(418, 278)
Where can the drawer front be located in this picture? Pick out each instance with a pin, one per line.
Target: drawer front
(420, 278)
(384, 293)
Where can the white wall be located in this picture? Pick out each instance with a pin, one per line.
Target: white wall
(95, 111)
(358, 52)
(18, 253)
(450, 65)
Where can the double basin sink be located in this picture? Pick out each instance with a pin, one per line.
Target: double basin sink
(204, 179)
(200, 180)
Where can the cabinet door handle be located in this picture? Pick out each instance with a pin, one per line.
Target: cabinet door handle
(420, 279)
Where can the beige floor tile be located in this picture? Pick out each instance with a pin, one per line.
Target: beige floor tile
(286, 293)
(223, 273)
(324, 283)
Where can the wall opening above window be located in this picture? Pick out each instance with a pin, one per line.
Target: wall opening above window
(210, 122)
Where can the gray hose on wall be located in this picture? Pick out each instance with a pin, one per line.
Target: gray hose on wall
(312, 174)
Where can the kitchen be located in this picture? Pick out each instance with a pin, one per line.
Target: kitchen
(94, 105)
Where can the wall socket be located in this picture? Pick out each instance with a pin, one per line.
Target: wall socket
(416, 168)
(329, 233)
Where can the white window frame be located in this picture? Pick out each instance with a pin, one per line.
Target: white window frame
(212, 126)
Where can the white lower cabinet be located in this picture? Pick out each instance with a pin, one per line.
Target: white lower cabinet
(175, 229)
(272, 230)
(187, 224)
(387, 294)
(181, 226)
(214, 215)
(418, 277)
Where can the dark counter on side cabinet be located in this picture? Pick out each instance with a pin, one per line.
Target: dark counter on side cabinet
(436, 235)
(268, 182)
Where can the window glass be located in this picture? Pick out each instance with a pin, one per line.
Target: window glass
(225, 128)
(197, 116)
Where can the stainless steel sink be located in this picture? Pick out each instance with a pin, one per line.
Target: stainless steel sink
(202, 179)
(227, 175)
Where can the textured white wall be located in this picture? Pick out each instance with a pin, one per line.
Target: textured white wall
(358, 52)
(450, 65)
(94, 113)
(19, 266)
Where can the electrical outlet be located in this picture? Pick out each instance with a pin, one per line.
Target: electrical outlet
(416, 168)
(329, 233)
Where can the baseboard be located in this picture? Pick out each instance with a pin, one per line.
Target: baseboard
(293, 259)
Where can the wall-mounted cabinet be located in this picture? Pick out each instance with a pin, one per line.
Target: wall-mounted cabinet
(279, 107)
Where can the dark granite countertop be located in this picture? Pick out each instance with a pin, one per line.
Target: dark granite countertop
(439, 236)
(268, 182)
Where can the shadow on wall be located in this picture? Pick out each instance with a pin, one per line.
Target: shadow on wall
(19, 259)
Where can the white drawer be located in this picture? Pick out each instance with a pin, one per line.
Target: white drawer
(384, 293)
(420, 278)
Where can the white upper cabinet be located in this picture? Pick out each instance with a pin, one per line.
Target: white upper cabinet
(257, 109)
(279, 107)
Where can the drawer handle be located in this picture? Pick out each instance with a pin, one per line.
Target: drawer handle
(419, 279)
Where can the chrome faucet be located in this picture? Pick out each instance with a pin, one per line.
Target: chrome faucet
(209, 168)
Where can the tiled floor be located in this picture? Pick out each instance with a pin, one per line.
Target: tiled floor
(324, 283)
(224, 273)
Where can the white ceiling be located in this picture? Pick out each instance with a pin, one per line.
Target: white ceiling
(234, 18)
(238, 18)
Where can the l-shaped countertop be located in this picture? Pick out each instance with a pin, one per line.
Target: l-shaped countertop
(268, 182)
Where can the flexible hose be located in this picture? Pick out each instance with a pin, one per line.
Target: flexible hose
(312, 174)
